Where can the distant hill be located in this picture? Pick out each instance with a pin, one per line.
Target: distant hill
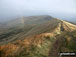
(24, 24)
(37, 36)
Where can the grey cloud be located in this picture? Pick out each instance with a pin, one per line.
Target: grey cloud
(57, 8)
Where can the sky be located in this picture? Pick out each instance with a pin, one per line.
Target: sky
(63, 9)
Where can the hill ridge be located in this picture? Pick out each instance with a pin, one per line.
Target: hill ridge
(35, 38)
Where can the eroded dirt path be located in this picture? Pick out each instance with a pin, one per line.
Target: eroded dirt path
(55, 50)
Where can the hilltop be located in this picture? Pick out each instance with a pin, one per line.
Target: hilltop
(37, 36)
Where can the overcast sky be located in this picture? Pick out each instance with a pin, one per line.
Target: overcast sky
(64, 9)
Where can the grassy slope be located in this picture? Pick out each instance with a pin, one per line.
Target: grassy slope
(65, 43)
(36, 46)
(41, 46)
(30, 28)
